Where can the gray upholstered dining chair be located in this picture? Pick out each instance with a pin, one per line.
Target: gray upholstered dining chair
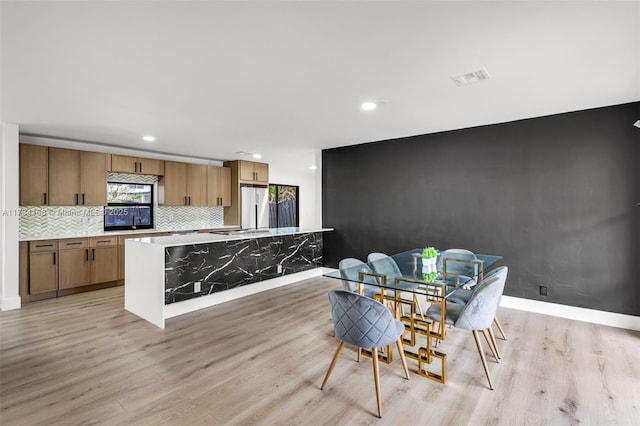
(363, 322)
(349, 269)
(382, 263)
(476, 315)
(461, 296)
(459, 266)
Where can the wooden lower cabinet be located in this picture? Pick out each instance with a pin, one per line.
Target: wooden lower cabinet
(87, 261)
(51, 268)
(74, 268)
(104, 265)
(43, 272)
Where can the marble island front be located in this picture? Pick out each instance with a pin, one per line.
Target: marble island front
(169, 276)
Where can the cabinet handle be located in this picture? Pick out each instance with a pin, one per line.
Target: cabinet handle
(93, 254)
(76, 199)
(185, 201)
(83, 199)
(135, 167)
(54, 258)
(74, 244)
(86, 255)
(45, 198)
(44, 245)
(103, 241)
(140, 167)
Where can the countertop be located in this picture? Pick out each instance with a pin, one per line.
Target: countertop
(195, 238)
(37, 237)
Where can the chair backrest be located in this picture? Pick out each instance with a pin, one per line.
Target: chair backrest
(349, 269)
(383, 264)
(361, 321)
(459, 268)
(479, 311)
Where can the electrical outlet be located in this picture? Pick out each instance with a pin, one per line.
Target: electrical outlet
(279, 268)
(544, 291)
(197, 286)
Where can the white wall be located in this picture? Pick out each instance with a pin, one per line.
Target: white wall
(293, 168)
(9, 292)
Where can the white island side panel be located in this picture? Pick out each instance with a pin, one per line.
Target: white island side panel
(144, 281)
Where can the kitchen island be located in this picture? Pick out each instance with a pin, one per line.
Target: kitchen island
(173, 275)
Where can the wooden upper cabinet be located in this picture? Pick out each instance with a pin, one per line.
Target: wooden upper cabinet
(93, 178)
(173, 186)
(197, 184)
(136, 165)
(64, 177)
(218, 186)
(34, 175)
(77, 178)
(254, 172)
(262, 172)
(183, 184)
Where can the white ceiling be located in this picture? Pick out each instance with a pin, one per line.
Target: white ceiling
(211, 78)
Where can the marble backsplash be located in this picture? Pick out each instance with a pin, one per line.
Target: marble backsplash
(42, 221)
(36, 221)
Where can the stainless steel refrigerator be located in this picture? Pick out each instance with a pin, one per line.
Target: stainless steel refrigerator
(254, 202)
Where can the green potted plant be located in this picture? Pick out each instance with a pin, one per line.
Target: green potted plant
(429, 257)
(429, 253)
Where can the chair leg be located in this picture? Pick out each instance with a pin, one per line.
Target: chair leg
(495, 343)
(402, 358)
(333, 364)
(482, 358)
(376, 377)
(495, 319)
(494, 350)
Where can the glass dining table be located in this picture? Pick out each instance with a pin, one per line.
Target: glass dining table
(408, 285)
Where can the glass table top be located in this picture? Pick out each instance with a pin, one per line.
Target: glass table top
(409, 272)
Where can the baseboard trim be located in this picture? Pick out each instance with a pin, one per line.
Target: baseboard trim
(10, 303)
(612, 319)
(175, 309)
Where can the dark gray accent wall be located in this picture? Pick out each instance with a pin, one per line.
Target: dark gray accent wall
(555, 196)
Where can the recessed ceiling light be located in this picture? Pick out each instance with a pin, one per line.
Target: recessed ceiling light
(148, 138)
(256, 155)
(369, 106)
(313, 167)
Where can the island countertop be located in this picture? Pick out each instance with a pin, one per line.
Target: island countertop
(217, 236)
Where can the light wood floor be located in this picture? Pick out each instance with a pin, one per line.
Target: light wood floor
(82, 359)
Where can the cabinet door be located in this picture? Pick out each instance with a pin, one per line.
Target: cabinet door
(74, 268)
(43, 272)
(93, 178)
(64, 177)
(196, 185)
(246, 170)
(174, 184)
(123, 164)
(104, 264)
(34, 175)
(225, 186)
(218, 186)
(149, 166)
(262, 172)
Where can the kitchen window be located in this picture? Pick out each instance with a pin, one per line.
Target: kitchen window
(129, 206)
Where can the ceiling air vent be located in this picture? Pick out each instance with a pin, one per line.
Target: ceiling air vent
(471, 77)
